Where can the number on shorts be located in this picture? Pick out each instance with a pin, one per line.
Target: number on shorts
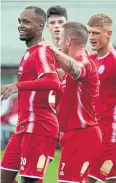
(63, 165)
(23, 161)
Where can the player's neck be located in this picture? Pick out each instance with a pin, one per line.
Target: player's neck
(76, 52)
(105, 50)
(33, 42)
(55, 42)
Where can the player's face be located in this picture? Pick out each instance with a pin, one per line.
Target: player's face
(55, 24)
(28, 26)
(63, 42)
(98, 37)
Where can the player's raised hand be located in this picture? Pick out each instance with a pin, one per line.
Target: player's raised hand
(7, 90)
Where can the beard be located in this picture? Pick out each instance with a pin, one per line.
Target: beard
(22, 39)
(25, 39)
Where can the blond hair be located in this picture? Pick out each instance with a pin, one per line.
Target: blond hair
(100, 20)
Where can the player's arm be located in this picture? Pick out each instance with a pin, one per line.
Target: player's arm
(47, 78)
(61, 73)
(47, 75)
(48, 81)
(68, 64)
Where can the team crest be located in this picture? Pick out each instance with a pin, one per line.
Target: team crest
(26, 55)
(101, 69)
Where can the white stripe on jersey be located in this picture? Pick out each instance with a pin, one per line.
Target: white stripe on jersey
(42, 55)
(31, 99)
(30, 127)
(79, 108)
(113, 138)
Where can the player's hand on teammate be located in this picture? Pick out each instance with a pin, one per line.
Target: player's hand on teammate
(7, 90)
(46, 43)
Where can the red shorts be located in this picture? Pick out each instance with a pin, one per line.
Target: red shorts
(28, 154)
(77, 153)
(103, 166)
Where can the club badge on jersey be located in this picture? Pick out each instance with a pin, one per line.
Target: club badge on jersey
(101, 69)
(26, 55)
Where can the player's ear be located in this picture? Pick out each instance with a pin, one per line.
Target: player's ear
(109, 33)
(68, 41)
(40, 26)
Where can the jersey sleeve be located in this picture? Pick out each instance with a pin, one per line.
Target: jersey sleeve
(87, 66)
(83, 69)
(45, 62)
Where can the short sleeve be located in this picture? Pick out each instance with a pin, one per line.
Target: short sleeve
(84, 68)
(45, 62)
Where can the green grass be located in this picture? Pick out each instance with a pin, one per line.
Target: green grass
(51, 173)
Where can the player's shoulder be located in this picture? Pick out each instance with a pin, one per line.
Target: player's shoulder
(89, 58)
(49, 51)
(113, 54)
(45, 52)
(111, 58)
(92, 63)
(44, 48)
(93, 56)
(88, 63)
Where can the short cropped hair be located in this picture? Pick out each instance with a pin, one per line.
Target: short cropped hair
(40, 12)
(100, 20)
(58, 11)
(77, 31)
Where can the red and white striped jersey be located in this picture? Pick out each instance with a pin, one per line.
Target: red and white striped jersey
(35, 113)
(106, 105)
(77, 109)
